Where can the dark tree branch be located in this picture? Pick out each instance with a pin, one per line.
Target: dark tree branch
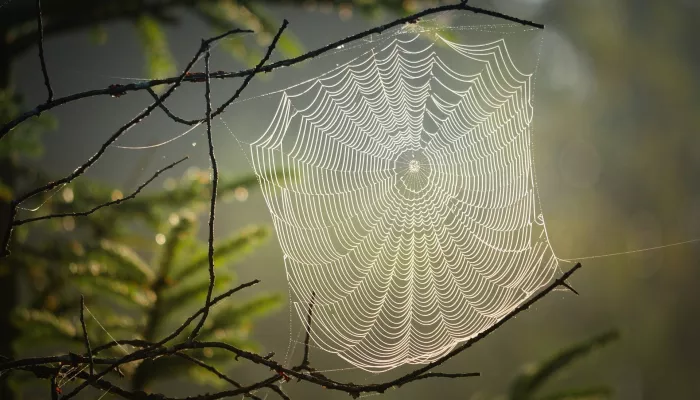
(54, 388)
(524, 306)
(114, 363)
(355, 390)
(217, 299)
(84, 167)
(267, 383)
(86, 339)
(258, 68)
(70, 358)
(145, 113)
(305, 364)
(142, 354)
(142, 344)
(212, 203)
(352, 389)
(279, 392)
(214, 371)
(210, 368)
(446, 375)
(212, 158)
(44, 372)
(169, 113)
(103, 205)
(379, 29)
(130, 342)
(40, 29)
(113, 90)
(566, 285)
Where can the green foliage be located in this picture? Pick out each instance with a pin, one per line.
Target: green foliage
(526, 386)
(26, 138)
(237, 318)
(129, 266)
(135, 286)
(42, 324)
(181, 284)
(159, 60)
(132, 295)
(226, 251)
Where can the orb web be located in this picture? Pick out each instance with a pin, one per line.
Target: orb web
(412, 218)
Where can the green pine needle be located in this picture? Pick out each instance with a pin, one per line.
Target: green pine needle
(526, 385)
(226, 251)
(159, 61)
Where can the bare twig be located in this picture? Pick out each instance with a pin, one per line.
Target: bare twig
(212, 159)
(379, 29)
(352, 389)
(86, 339)
(103, 205)
(566, 285)
(40, 29)
(70, 358)
(279, 391)
(84, 167)
(430, 375)
(212, 203)
(45, 373)
(208, 368)
(304, 365)
(130, 342)
(214, 371)
(201, 310)
(258, 68)
(169, 113)
(137, 119)
(142, 354)
(355, 390)
(54, 388)
(524, 306)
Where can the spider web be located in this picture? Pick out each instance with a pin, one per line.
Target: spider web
(412, 218)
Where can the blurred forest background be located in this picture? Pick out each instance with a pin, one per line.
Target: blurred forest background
(617, 154)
